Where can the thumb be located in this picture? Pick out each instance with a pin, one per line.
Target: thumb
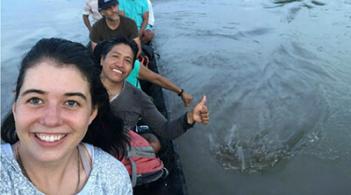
(203, 100)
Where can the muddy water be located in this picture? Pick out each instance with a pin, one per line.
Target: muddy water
(276, 74)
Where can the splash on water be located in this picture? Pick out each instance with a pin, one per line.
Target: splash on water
(257, 153)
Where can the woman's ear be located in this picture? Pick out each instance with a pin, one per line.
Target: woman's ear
(93, 114)
(101, 60)
(14, 108)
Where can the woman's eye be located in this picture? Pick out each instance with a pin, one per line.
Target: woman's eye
(35, 101)
(72, 103)
(129, 62)
(115, 56)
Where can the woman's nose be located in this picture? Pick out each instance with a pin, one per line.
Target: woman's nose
(51, 116)
(119, 62)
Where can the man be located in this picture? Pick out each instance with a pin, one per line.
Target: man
(139, 10)
(91, 9)
(112, 25)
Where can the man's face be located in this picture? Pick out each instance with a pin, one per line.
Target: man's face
(118, 63)
(111, 13)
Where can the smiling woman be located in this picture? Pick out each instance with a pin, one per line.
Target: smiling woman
(53, 112)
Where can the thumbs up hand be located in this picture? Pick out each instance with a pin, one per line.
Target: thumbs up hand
(200, 113)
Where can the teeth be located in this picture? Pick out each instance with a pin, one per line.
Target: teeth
(50, 138)
(116, 70)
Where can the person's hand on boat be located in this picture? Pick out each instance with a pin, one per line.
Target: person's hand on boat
(199, 114)
(186, 98)
(142, 33)
(139, 53)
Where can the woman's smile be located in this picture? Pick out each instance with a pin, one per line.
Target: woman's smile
(50, 138)
(116, 70)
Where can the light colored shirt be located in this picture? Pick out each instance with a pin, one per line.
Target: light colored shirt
(91, 8)
(134, 9)
(107, 176)
(151, 14)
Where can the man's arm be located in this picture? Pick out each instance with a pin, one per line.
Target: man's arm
(86, 12)
(146, 74)
(94, 36)
(138, 42)
(145, 22)
(87, 22)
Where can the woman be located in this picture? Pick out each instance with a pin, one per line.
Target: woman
(53, 113)
(116, 58)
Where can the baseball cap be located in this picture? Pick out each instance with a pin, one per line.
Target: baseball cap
(104, 4)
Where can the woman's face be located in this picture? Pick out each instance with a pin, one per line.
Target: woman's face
(53, 111)
(118, 63)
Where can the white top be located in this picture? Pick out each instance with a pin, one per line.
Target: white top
(91, 9)
(107, 176)
(151, 14)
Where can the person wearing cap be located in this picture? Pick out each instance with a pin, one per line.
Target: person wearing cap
(91, 9)
(112, 25)
(138, 10)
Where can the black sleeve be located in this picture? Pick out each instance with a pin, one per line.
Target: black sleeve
(94, 33)
(133, 30)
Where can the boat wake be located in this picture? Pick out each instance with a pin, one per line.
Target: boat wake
(257, 153)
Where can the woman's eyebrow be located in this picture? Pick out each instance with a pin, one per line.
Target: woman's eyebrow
(76, 94)
(118, 53)
(115, 52)
(33, 91)
(38, 91)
